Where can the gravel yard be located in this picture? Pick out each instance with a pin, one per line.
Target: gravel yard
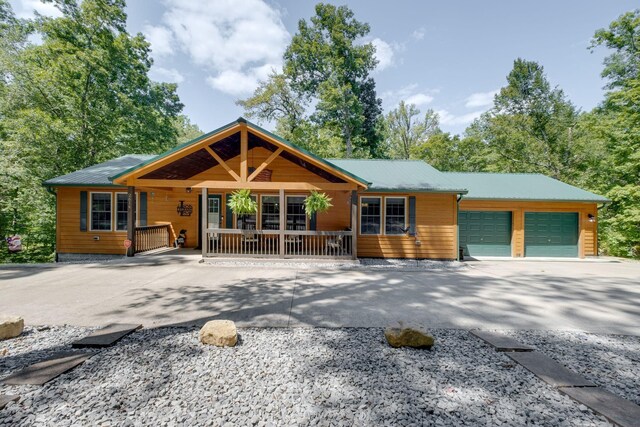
(303, 377)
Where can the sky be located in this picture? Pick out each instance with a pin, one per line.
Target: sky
(450, 56)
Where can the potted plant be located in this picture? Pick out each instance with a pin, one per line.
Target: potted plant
(242, 204)
(316, 202)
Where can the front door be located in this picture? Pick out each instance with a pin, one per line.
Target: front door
(213, 211)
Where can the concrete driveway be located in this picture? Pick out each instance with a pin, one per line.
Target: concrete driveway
(589, 296)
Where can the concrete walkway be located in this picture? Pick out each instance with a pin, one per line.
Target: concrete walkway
(599, 297)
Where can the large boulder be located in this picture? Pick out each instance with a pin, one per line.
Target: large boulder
(408, 336)
(11, 326)
(221, 333)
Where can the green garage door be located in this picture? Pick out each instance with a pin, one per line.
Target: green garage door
(551, 234)
(485, 233)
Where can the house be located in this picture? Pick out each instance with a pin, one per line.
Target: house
(381, 208)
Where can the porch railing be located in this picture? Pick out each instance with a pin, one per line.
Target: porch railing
(152, 237)
(267, 243)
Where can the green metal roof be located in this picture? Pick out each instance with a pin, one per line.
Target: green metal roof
(98, 175)
(520, 186)
(400, 175)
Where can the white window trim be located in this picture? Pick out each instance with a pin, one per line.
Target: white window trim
(360, 216)
(91, 193)
(115, 211)
(277, 196)
(286, 202)
(406, 208)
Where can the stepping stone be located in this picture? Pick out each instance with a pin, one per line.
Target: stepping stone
(43, 372)
(549, 370)
(501, 342)
(106, 336)
(614, 408)
(6, 398)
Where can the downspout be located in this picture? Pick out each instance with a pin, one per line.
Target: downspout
(55, 245)
(458, 226)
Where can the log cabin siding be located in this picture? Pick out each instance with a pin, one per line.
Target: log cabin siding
(587, 234)
(436, 230)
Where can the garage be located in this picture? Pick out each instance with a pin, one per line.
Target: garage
(485, 233)
(551, 234)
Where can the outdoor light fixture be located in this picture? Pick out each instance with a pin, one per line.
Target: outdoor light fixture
(188, 189)
(591, 218)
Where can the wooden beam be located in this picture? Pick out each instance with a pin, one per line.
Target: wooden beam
(264, 164)
(234, 185)
(311, 159)
(244, 149)
(222, 163)
(354, 224)
(178, 154)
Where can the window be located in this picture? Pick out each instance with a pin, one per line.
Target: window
(122, 206)
(370, 215)
(101, 211)
(296, 216)
(248, 222)
(395, 215)
(270, 213)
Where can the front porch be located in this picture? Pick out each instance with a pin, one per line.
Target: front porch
(200, 178)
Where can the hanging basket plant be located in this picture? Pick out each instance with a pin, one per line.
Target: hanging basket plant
(241, 203)
(316, 202)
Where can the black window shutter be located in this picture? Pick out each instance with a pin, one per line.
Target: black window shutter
(412, 215)
(229, 214)
(313, 221)
(83, 211)
(143, 209)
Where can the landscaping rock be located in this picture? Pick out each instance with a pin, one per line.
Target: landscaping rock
(11, 327)
(408, 337)
(221, 333)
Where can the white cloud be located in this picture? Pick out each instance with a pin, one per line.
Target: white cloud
(161, 39)
(419, 99)
(170, 75)
(419, 33)
(449, 119)
(384, 54)
(480, 99)
(25, 8)
(238, 42)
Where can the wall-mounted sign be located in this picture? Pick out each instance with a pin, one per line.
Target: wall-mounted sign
(183, 209)
(127, 243)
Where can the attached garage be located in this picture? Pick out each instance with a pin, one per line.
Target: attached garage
(551, 234)
(525, 215)
(485, 233)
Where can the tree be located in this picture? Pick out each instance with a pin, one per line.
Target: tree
(327, 67)
(186, 131)
(617, 124)
(448, 152)
(406, 131)
(79, 97)
(532, 127)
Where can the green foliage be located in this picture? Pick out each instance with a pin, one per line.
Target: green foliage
(186, 131)
(241, 202)
(316, 202)
(406, 132)
(325, 66)
(80, 97)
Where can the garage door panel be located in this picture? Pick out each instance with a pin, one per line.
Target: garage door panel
(485, 233)
(551, 234)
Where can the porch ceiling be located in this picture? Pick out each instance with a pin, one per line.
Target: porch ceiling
(199, 161)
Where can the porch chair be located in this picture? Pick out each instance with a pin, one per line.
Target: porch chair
(335, 244)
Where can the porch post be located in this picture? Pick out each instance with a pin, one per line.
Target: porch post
(283, 220)
(131, 219)
(354, 224)
(204, 244)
